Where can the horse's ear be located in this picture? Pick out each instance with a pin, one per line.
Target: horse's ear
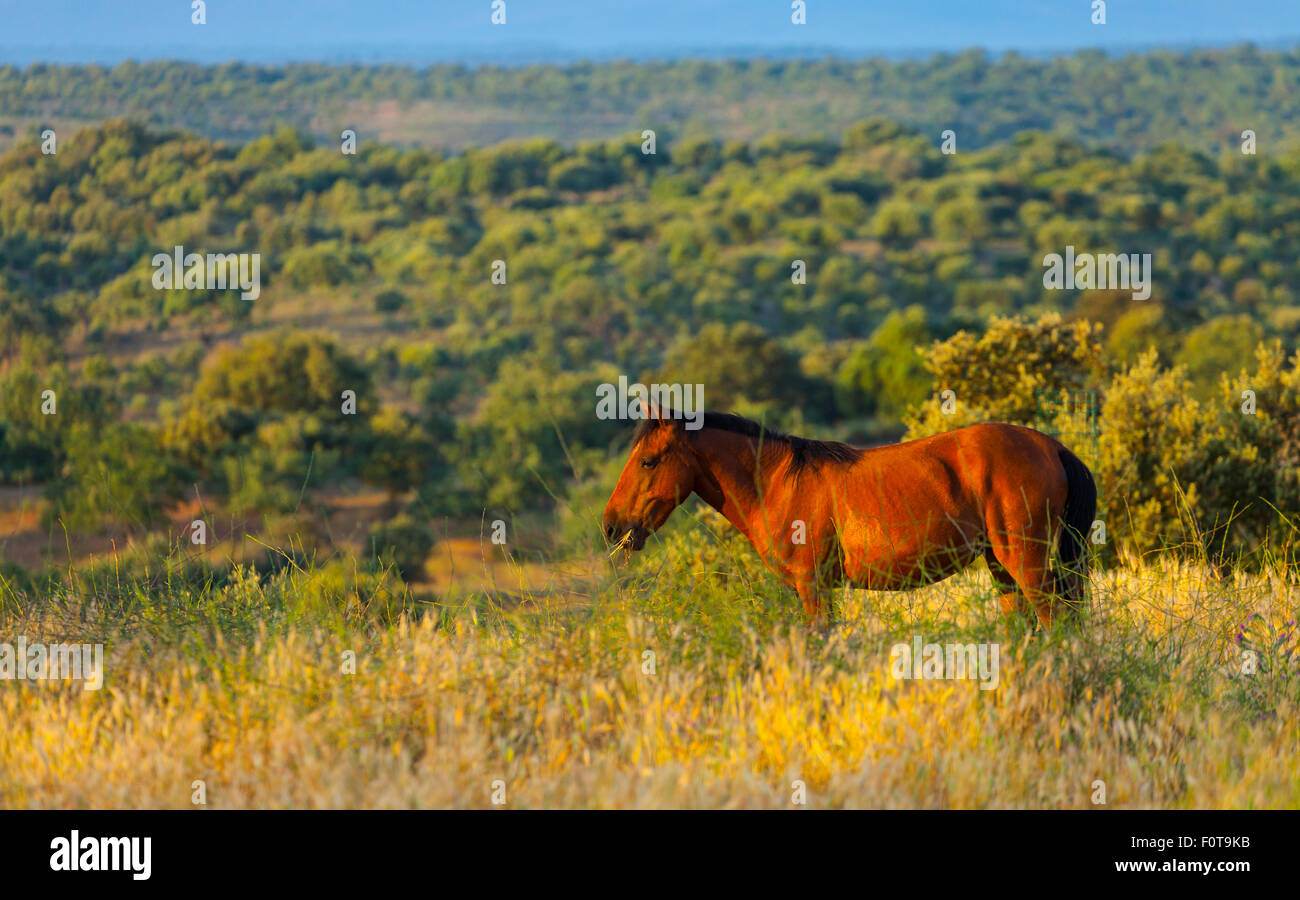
(652, 412)
(656, 415)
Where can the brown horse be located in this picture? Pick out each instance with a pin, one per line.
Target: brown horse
(889, 518)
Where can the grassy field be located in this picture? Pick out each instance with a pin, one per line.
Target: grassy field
(541, 694)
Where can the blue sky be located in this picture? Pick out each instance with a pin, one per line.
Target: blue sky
(423, 31)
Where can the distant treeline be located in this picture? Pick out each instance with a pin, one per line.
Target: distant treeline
(799, 279)
(1204, 99)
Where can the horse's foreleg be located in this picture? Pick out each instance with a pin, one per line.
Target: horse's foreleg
(815, 608)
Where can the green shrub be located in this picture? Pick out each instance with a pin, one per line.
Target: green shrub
(403, 543)
(390, 301)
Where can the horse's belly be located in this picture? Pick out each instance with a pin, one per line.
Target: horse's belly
(878, 563)
(898, 575)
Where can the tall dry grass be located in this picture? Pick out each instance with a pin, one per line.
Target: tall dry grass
(236, 680)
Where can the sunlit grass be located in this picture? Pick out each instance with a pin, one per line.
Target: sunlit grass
(237, 680)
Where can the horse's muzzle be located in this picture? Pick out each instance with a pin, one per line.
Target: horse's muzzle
(631, 536)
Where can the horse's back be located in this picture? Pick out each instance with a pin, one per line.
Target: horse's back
(964, 456)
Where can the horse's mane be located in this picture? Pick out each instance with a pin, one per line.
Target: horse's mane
(803, 451)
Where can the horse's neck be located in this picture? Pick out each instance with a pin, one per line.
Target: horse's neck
(735, 481)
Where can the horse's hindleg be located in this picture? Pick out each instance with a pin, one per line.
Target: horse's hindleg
(1009, 595)
(1027, 560)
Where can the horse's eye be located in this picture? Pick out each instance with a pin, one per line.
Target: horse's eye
(649, 462)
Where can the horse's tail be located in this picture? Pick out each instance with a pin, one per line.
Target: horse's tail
(1076, 521)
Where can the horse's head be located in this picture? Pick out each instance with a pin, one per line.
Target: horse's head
(658, 476)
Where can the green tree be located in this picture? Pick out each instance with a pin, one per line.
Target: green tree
(115, 474)
(1222, 346)
(886, 373)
